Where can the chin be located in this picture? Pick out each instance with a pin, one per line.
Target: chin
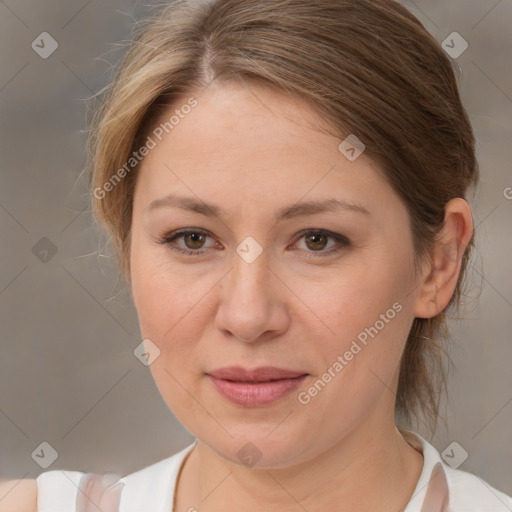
(258, 448)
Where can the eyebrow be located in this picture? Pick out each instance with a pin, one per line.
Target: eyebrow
(287, 212)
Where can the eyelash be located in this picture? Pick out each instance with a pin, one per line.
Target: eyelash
(174, 235)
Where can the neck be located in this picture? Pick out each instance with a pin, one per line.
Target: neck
(372, 468)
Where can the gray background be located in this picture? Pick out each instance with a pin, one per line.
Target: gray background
(68, 375)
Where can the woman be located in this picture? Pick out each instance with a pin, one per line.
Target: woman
(284, 183)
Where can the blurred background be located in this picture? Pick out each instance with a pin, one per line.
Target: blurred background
(68, 329)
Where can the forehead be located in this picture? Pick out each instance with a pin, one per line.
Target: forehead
(240, 144)
(248, 118)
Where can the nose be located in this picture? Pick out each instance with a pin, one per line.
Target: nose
(252, 303)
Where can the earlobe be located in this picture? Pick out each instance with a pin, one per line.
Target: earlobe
(442, 271)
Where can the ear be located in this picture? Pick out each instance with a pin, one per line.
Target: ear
(442, 272)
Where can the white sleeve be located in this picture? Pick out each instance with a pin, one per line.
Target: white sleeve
(65, 491)
(57, 490)
(99, 492)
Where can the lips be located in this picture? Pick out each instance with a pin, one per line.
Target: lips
(255, 388)
(262, 374)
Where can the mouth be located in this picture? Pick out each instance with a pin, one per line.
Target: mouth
(255, 388)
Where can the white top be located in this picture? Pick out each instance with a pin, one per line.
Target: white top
(440, 488)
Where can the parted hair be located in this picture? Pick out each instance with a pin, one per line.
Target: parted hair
(368, 67)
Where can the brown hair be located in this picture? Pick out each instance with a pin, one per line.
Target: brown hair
(368, 67)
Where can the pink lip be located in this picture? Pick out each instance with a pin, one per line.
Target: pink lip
(257, 387)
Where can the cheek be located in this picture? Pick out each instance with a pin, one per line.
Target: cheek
(167, 308)
(164, 302)
(155, 292)
(368, 311)
(354, 298)
(172, 303)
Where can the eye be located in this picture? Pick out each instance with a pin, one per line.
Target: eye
(194, 239)
(317, 240)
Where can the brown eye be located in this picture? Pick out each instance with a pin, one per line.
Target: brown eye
(194, 240)
(318, 241)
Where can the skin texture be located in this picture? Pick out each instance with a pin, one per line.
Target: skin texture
(18, 495)
(252, 151)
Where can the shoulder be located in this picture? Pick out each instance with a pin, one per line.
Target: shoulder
(57, 487)
(442, 486)
(61, 491)
(470, 492)
(153, 486)
(18, 496)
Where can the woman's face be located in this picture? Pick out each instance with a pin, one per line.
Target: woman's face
(327, 292)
